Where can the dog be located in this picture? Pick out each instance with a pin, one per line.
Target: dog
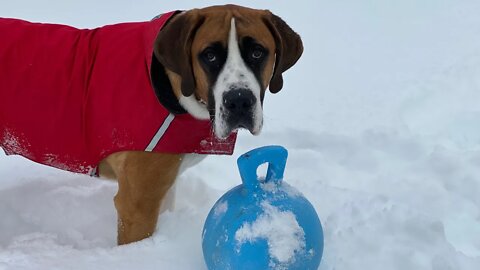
(129, 101)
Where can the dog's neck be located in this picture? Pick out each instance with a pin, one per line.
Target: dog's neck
(167, 86)
(163, 85)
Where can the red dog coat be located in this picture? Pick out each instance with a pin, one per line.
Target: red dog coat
(70, 97)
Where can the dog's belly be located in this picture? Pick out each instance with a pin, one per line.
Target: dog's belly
(190, 160)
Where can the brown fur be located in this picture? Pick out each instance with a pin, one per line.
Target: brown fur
(144, 178)
(289, 48)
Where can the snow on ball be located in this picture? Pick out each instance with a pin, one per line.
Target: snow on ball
(263, 224)
(280, 229)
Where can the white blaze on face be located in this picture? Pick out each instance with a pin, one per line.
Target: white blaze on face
(235, 75)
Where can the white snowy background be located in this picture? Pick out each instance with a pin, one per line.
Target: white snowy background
(381, 117)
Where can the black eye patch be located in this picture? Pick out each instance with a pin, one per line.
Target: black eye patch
(212, 60)
(254, 55)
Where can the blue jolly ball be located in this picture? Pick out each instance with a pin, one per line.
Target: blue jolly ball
(263, 223)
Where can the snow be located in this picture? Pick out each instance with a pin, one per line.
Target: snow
(284, 235)
(220, 209)
(274, 187)
(14, 143)
(380, 117)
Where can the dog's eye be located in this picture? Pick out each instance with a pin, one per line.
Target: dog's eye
(213, 57)
(257, 53)
(210, 56)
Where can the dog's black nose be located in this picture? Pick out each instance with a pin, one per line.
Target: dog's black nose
(239, 104)
(239, 101)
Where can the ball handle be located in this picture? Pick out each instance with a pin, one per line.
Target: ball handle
(274, 155)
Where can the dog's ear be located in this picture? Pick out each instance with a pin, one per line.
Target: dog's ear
(173, 47)
(289, 48)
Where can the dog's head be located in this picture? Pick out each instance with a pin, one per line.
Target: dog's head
(221, 59)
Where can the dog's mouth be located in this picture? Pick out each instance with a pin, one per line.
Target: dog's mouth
(228, 126)
(238, 109)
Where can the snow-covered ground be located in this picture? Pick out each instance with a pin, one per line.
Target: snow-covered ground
(381, 118)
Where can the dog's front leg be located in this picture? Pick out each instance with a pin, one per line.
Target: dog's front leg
(143, 180)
